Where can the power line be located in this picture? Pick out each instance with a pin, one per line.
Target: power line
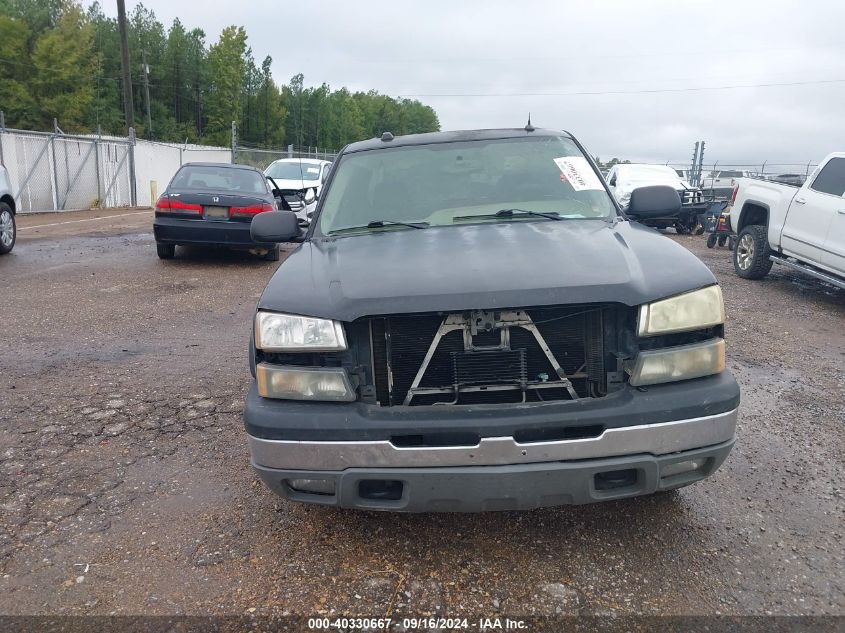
(622, 92)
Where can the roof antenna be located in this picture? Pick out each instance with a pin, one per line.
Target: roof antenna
(529, 127)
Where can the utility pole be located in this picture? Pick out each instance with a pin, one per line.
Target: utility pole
(149, 130)
(128, 111)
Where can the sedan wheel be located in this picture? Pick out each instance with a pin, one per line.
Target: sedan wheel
(8, 230)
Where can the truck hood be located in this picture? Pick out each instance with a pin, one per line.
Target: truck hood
(484, 266)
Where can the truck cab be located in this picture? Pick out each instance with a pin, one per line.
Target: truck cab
(801, 227)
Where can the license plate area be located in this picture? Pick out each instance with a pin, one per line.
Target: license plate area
(215, 213)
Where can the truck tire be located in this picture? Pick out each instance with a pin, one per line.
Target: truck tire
(8, 228)
(165, 251)
(751, 255)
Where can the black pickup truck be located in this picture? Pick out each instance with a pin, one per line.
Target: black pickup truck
(471, 323)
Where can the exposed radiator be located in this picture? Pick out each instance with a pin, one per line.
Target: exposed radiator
(573, 335)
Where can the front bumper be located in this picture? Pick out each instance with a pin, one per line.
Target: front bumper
(200, 231)
(641, 431)
(509, 487)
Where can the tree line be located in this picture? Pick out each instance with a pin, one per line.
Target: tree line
(60, 61)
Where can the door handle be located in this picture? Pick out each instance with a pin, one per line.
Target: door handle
(800, 201)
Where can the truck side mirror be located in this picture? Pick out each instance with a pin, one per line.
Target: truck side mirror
(275, 226)
(658, 201)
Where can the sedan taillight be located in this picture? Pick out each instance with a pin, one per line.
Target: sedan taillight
(167, 205)
(250, 211)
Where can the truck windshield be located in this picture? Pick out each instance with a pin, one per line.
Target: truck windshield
(448, 184)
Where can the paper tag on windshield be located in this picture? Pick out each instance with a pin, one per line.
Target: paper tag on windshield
(313, 170)
(578, 173)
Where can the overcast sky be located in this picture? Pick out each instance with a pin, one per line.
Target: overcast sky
(629, 49)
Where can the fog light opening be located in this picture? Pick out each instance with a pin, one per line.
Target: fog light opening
(680, 468)
(380, 489)
(312, 486)
(613, 479)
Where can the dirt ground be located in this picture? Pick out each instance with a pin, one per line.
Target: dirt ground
(125, 485)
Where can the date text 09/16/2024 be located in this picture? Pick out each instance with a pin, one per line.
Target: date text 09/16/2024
(424, 623)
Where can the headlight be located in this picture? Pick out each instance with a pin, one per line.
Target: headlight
(304, 383)
(276, 332)
(677, 363)
(696, 310)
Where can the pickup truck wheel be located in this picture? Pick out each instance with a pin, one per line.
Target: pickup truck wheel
(751, 255)
(8, 228)
(166, 251)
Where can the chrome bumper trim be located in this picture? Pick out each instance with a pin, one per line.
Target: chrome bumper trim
(655, 439)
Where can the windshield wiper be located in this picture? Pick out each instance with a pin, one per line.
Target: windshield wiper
(378, 224)
(511, 213)
(515, 213)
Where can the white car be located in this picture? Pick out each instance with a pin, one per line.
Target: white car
(622, 179)
(300, 181)
(802, 228)
(8, 229)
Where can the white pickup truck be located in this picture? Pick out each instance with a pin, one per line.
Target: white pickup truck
(800, 227)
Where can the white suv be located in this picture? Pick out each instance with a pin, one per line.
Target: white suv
(8, 229)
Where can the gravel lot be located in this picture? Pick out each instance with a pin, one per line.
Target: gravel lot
(125, 485)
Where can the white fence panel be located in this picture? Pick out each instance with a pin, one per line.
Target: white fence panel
(157, 163)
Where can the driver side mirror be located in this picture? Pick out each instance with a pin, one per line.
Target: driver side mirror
(659, 201)
(275, 226)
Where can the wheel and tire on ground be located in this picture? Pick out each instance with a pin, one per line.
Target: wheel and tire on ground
(166, 251)
(751, 255)
(722, 240)
(8, 228)
(682, 229)
(273, 254)
(711, 240)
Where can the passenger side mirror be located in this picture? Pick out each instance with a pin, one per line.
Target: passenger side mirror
(658, 201)
(275, 226)
(612, 182)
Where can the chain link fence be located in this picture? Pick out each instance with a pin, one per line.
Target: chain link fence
(261, 157)
(56, 171)
(53, 171)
